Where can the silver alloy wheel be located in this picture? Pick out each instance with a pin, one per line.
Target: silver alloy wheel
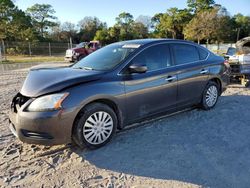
(98, 127)
(211, 96)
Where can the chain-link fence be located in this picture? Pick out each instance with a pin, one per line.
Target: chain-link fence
(33, 49)
(218, 48)
(10, 49)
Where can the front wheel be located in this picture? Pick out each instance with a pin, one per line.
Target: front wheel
(81, 57)
(210, 96)
(95, 126)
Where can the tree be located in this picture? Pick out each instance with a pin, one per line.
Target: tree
(14, 24)
(225, 30)
(89, 26)
(6, 11)
(155, 21)
(145, 20)
(63, 32)
(42, 16)
(124, 29)
(124, 19)
(124, 23)
(103, 36)
(200, 5)
(202, 26)
(114, 33)
(69, 29)
(242, 25)
(172, 22)
(214, 25)
(139, 30)
(21, 27)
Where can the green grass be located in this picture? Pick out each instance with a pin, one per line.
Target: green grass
(32, 59)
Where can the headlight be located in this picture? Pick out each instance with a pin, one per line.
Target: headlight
(47, 103)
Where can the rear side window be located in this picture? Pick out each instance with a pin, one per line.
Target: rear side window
(155, 57)
(203, 53)
(185, 53)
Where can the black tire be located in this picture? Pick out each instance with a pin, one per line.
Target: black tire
(81, 120)
(204, 104)
(247, 84)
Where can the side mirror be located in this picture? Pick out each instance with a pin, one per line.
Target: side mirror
(137, 69)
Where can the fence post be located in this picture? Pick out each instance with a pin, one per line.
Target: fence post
(0, 54)
(3, 54)
(49, 49)
(218, 49)
(30, 49)
(70, 40)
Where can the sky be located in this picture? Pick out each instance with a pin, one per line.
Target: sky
(107, 10)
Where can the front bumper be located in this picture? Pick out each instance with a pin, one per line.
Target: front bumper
(70, 58)
(45, 128)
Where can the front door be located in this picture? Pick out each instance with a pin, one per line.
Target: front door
(154, 91)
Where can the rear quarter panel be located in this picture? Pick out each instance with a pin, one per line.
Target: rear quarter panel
(217, 69)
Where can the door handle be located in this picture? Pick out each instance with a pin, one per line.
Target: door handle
(204, 71)
(170, 78)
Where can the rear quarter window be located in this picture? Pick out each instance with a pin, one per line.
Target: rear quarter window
(203, 53)
(185, 53)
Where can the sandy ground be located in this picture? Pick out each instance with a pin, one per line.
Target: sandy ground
(192, 149)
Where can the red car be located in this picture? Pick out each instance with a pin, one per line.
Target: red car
(81, 50)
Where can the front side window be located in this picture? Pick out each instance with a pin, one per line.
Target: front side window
(105, 58)
(91, 45)
(155, 58)
(185, 53)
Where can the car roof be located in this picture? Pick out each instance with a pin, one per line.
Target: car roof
(150, 41)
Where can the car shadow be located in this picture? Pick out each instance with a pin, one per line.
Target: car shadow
(207, 148)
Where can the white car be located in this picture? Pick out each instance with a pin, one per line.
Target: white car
(239, 60)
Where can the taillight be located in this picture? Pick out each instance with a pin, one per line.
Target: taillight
(226, 62)
(227, 65)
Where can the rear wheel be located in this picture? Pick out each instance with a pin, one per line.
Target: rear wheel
(210, 96)
(95, 126)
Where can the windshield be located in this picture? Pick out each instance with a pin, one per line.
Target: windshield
(104, 59)
(81, 45)
(231, 51)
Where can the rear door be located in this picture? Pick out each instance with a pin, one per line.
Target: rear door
(192, 72)
(150, 92)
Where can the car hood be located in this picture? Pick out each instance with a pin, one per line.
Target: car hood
(41, 81)
(77, 49)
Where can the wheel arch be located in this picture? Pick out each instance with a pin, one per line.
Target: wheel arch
(218, 82)
(114, 106)
(107, 101)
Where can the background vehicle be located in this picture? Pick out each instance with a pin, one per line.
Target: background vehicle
(117, 85)
(81, 50)
(239, 60)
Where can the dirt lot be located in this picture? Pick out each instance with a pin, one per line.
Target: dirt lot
(191, 149)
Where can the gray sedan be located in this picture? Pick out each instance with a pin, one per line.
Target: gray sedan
(120, 84)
